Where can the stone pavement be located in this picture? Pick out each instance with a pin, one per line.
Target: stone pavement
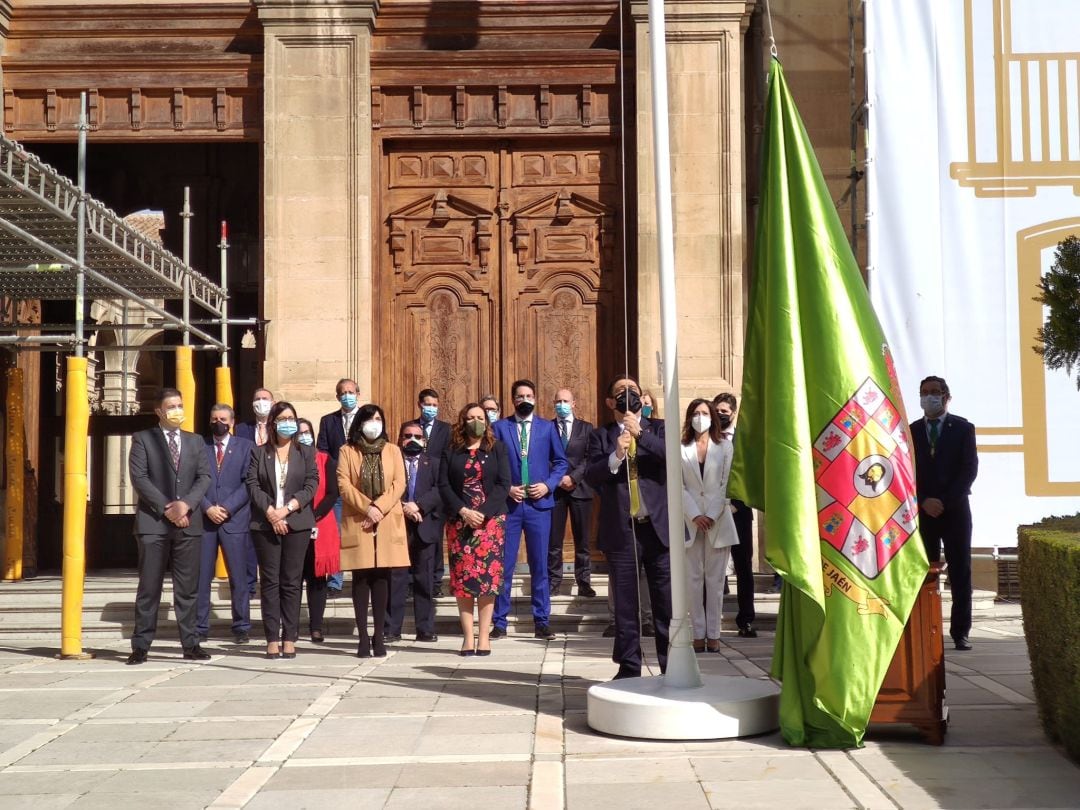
(426, 728)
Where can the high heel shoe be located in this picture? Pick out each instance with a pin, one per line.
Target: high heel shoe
(483, 652)
(363, 650)
(378, 647)
(273, 654)
(466, 653)
(713, 645)
(699, 645)
(288, 653)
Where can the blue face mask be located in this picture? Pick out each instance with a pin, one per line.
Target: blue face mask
(429, 412)
(348, 401)
(306, 439)
(562, 409)
(286, 428)
(493, 416)
(646, 411)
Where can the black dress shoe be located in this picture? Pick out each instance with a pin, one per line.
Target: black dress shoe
(544, 632)
(241, 638)
(317, 637)
(138, 656)
(497, 632)
(609, 631)
(391, 638)
(626, 672)
(587, 591)
(648, 630)
(962, 643)
(426, 637)
(196, 653)
(436, 592)
(747, 632)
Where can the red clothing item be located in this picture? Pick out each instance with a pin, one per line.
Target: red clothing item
(328, 541)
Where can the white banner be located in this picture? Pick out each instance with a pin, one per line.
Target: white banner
(973, 179)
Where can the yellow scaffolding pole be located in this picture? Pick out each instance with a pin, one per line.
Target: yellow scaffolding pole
(224, 395)
(15, 450)
(76, 428)
(185, 384)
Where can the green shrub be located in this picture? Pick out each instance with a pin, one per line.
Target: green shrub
(1050, 579)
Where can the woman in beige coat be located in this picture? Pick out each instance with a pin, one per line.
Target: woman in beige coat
(371, 478)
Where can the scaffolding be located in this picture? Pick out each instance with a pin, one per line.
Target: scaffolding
(58, 244)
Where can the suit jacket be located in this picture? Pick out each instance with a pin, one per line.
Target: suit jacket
(426, 495)
(575, 457)
(331, 435)
(439, 439)
(246, 430)
(707, 495)
(228, 486)
(301, 481)
(158, 483)
(616, 531)
(495, 466)
(547, 461)
(949, 473)
(388, 545)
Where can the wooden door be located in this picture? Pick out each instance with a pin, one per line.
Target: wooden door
(499, 260)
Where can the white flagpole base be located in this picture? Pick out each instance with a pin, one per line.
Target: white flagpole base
(649, 708)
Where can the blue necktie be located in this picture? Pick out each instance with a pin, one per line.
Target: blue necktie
(412, 480)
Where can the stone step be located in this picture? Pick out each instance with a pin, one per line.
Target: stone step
(32, 608)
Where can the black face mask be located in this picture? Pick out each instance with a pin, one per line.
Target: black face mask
(219, 429)
(412, 447)
(628, 401)
(524, 408)
(725, 420)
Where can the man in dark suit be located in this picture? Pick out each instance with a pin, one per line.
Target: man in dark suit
(226, 508)
(436, 439)
(333, 433)
(572, 496)
(626, 466)
(256, 431)
(170, 471)
(946, 464)
(742, 554)
(424, 522)
(537, 465)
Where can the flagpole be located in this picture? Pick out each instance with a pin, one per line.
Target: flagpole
(682, 667)
(679, 705)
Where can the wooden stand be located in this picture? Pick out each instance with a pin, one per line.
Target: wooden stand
(913, 691)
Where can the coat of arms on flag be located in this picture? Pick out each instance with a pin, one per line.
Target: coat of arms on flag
(865, 481)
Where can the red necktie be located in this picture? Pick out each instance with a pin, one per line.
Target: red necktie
(220, 454)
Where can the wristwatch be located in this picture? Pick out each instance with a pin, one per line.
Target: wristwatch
(289, 506)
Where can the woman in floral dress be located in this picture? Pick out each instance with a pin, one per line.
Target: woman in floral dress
(474, 481)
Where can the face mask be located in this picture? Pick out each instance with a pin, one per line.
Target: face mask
(174, 417)
(261, 406)
(429, 412)
(562, 409)
(524, 408)
(286, 428)
(219, 429)
(475, 428)
(371, 429)
(628, 401)
(931, 404)
(348, 401)
(412, 447)
(306, 439)
(646, 411)
(701, 422)
(725, 421)
(493, 416)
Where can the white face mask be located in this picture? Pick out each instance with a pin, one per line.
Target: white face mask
(261, 406)
(371, 429)
(931, 404)
(701, 422)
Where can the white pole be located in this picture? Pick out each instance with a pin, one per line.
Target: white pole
(186, 215)
(80, 235)
(223, 246)
(682, 667)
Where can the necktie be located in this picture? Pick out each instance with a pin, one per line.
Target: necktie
(635, 490)
(412, 480)
(174, 448)
(220, 455)
(524, 455)
(427, 431)
(260, 433)
(935, 431)
(564, 433)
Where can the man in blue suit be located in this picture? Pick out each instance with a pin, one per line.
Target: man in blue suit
(227, 514)
(625, 466)
(946, 464)
(537, 465)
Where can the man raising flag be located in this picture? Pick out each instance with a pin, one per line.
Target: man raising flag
(831, 463)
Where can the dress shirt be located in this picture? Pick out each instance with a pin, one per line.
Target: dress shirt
(614, 464)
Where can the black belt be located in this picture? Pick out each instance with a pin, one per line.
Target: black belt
(645, 519)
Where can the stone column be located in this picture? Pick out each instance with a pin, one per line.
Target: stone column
(317, 198)
(705, 87)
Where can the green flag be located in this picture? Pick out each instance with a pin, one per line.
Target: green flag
(824, 449)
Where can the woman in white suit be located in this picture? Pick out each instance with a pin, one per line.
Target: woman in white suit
(710, 529)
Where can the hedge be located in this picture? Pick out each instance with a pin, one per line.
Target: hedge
(1050, 579)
